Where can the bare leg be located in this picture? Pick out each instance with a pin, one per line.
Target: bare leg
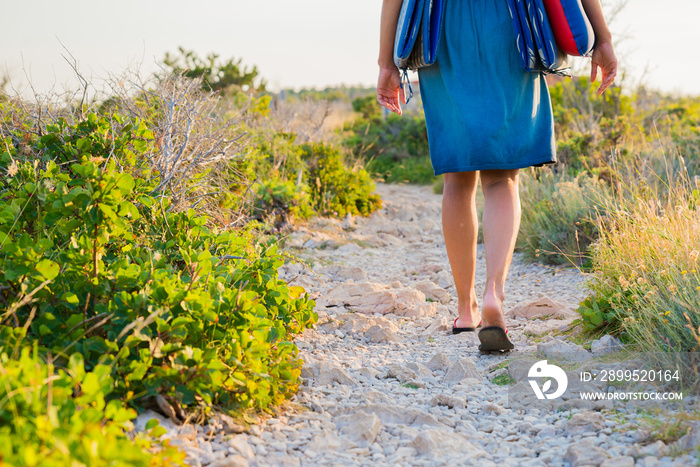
(501, 222)
(460, 228)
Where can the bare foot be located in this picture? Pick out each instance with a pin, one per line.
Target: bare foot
(468, 318)
(492, 311)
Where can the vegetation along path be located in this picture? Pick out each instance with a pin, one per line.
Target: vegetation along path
(387, 383)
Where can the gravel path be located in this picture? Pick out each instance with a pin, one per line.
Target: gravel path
(386, 383)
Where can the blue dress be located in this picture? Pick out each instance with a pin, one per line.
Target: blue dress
(482, 110)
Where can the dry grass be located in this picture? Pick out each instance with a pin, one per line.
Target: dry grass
(647, 263)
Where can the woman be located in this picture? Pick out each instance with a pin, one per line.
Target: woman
(486, 118)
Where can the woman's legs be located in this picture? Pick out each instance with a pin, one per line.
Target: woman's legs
(501, 222)
(500, 225)
(460, 228)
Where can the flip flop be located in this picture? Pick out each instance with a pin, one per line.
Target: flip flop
(494, 338)
(456, 330)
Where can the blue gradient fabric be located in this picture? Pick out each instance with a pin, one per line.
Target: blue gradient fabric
(482, 109)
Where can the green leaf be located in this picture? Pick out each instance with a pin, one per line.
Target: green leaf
(29, 187)
(76, 367)
(596, 319)
(70, 298)
(139, 370)
(48, 269)
(125, 183)
(108, 211)
(152, 423)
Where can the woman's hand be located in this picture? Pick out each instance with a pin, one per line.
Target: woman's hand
(605, 59)
(389, 91)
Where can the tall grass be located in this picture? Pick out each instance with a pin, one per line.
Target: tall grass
(646, 261)
(557, 209)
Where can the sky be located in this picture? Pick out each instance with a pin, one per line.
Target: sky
(294, 43)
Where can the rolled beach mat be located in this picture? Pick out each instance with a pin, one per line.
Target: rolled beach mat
(571, 27)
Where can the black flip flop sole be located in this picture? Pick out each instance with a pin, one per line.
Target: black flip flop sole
(458, 330)
(494, 338)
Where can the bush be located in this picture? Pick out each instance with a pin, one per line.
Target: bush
(557, 212)
(153, 301)
(417, 170)
(592, 130)
(396, 146)
(646, 268)
(63, 417)
(93, 263)
(336, 190)
(278, 202)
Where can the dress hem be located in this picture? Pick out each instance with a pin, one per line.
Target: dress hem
(519, 165)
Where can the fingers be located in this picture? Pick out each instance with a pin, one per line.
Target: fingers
(402, 95)
(390, 103)
(594, 71)
(608, 79)
(389, 93)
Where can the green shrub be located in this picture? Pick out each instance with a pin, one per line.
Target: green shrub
(557, 210)
(417, 170)
(368, 107)
(59, 417)
(281, 201)
(302, 180)
(274, 154)
(396, 146)
(335, 189)
(92, 263)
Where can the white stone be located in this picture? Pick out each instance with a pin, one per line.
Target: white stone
(547, 431)
(230, 461)
(558, 349)
(606, 344)
(444, 279)
(462, 369)
(440, 443)
(326, 440)
(448, 401)
(439, 362)
(494, 408)
(325, 373)
(438, 326)
(655, 449)
(433, 291)
(509, 434)
(619, 461)
(382, 335)
(339, 273)
(583, 422)
(399, 415)
(401, 373)
(585, 453)
(361, 428)
(241, 445)
(375, 298)
(420, 369)
(543, 307)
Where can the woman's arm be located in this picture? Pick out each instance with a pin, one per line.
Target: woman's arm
(603, 53)
(389, 92)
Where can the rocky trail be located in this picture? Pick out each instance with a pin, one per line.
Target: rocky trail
(387, 383)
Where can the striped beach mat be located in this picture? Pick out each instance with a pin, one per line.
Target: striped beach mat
(537, 46)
